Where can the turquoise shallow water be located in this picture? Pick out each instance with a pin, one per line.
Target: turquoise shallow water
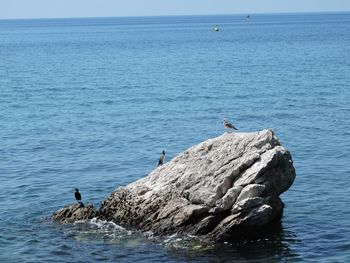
(90, 103)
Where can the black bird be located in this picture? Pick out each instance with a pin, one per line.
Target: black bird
(78, 197)
(161, 158)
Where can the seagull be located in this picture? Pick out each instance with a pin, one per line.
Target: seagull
(161, 158)
(78, 197)
(229, 125)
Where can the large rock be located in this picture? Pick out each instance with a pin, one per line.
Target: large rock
(222, 188)
(218, 188)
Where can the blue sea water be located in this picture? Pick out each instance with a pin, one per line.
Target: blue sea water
(90, 103)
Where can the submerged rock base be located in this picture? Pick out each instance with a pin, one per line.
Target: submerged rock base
(220, 188)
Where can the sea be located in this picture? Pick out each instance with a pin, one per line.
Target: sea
(90, 103)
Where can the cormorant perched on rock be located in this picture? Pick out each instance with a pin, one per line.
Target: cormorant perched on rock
(229, 125)
(78, 197)
(161, 158)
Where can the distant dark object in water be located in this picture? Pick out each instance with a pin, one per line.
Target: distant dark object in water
(247, 17)
(216, 28)
(78, 197)
(229, 125)
(161, 158)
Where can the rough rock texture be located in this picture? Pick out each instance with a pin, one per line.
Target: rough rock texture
(217, 188)
(72, 213)
(221, 188)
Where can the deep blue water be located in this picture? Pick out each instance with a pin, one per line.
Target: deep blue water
(90, 103)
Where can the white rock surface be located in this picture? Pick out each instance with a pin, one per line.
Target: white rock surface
(214, 188)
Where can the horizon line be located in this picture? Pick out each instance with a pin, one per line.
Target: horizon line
(177, 15)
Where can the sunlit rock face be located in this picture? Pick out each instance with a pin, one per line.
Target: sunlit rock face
(218, 189)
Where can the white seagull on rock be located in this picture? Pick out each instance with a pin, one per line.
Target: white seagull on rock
(229, 125)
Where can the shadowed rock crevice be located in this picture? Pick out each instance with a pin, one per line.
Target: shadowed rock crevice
(216, 188)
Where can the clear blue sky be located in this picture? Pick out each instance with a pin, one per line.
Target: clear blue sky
(101, 8)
